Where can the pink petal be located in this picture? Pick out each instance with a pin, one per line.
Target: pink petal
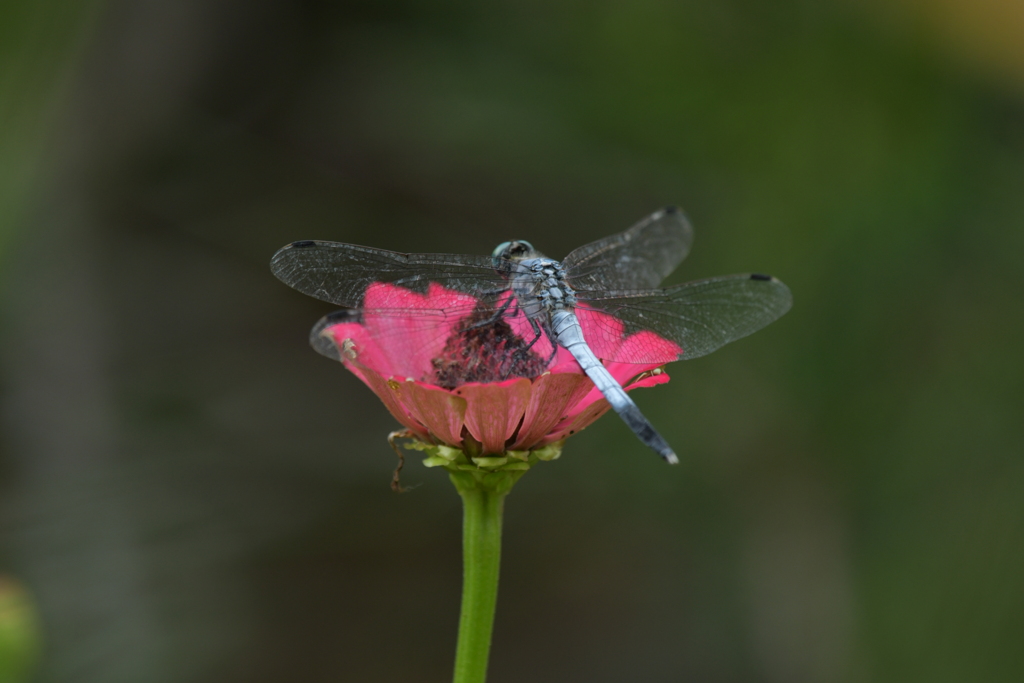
(604, 334)
(564, 362)
(648, 381)
(623, 372)
(353, 338)
(437, 409)
(553, 395)
(410, 329)
(494, 410)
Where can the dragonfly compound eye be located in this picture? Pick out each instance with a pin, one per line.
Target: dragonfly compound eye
(522, 248)
(499, 251)
(512, 251)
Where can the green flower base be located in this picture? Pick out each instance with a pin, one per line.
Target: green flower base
(495, 473)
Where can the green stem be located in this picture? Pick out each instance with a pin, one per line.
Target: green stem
(481, 555)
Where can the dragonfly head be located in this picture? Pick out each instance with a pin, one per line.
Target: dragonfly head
(516, 250)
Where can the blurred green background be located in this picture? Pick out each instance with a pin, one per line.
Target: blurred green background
(189, 493)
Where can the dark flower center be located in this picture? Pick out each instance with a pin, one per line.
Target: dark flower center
(481, 350)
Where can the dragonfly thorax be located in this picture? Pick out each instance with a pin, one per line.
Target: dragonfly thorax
(540, 287)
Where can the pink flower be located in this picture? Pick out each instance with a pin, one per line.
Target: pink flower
(455, 383)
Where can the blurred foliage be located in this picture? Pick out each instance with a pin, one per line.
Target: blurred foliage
(37, 41)
(19, 636)
(193, 494)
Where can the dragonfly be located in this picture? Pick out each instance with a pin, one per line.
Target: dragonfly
(602, 303)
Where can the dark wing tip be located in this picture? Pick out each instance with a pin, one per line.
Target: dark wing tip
(301, 244)
(783, 299)
(280, 256)
(678, 214)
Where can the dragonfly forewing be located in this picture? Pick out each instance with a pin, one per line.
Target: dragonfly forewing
(341, 273)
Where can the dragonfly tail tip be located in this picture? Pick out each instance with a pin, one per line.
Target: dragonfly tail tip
(670, 458)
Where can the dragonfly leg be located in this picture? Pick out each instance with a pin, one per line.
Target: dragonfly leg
(520, 354)
(396, 484)
(498, 314)
(554, 350)
(537, 331)
(539, 328)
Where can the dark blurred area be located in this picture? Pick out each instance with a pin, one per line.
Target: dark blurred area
(189, 493)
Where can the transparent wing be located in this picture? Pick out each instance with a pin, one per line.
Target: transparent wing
(443, 318)
(402, 333)
(446, 346)
(681, 322)
(341, 273)
(639, 258)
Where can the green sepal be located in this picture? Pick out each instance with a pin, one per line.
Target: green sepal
(553, 451)
(490, 463)
(494, 472)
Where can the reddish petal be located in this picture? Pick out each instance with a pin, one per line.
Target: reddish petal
(438, 409)
(381, 387)
(494, 410)
(553, 395)
(593, 406)
(595, 395)
(574, 424)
